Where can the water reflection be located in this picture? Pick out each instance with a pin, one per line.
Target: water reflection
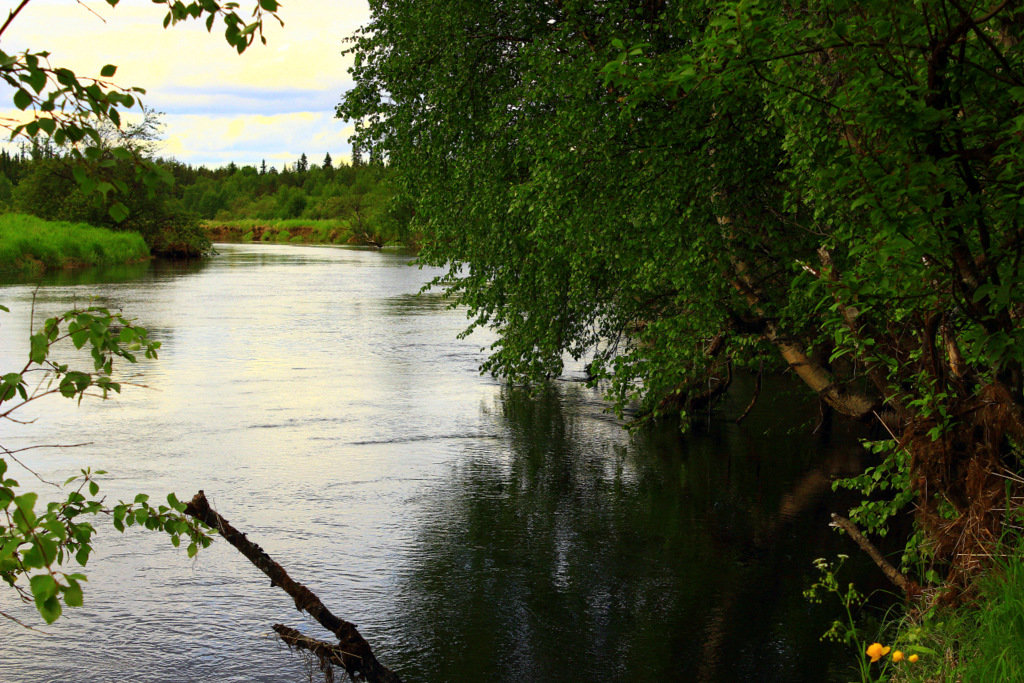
(581, 555)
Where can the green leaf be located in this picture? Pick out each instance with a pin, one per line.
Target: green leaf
(37, 79)
(119, 512)
(39, 347)
(43, 586)
(73, 594)
(50, 610)
(65, 77)
(44, 592)
(108, 71)
(79, 337)
(22, 100)
(118, 211)
(24, 516)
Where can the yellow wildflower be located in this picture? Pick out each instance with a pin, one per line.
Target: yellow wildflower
(912, 658)
(897, 656)
(876, 651)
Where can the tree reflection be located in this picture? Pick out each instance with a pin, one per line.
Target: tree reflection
(585, 553)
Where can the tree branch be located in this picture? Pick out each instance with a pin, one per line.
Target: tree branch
(354, 652)
(898, 578)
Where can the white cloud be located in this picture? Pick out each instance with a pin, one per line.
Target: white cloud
(249, 139)
(201, 82)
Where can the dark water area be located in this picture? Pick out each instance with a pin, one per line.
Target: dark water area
(472, 530)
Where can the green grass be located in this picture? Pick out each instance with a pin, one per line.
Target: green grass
(981, 642)
(31, 244)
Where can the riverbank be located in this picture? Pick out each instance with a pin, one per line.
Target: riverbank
(970, 636)
(33, 245)
(292, 231)
(977, 640)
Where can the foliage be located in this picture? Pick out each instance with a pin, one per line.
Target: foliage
(666, 190)
(842, 630)
(976, 641)
(38, 539)
(51, 186)
(28, 243)
(875, 662)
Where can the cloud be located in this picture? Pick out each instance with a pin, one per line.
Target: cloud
(249, 139)
(238, 100)
(194, 76)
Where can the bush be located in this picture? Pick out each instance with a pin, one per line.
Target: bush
(49, 191)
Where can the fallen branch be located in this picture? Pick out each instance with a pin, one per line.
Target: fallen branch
(327, 655)
(900, 580)
(353, 651)
(757, 393)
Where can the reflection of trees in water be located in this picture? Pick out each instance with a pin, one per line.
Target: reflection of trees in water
(583, 553)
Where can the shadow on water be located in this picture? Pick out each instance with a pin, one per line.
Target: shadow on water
(131, 272)
(423, 303)
(587, 554)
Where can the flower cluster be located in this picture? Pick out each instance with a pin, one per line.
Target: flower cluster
(876, 651)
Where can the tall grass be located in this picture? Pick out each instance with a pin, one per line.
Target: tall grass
(28, 243)
(980, 642)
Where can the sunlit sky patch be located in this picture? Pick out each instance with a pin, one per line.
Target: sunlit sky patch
(273, 103)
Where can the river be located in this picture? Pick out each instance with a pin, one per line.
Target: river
(472, 531)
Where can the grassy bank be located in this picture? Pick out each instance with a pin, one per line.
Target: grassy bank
(977, 637)
(981, 640)
(292, 230)
(30, 244)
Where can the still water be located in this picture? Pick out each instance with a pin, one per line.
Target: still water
(473, 532)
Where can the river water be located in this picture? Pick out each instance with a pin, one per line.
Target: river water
(473, 531)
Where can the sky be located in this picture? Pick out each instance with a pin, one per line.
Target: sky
(274, 102)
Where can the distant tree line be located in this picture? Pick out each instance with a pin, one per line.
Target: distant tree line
(357, 193)
(41, 180)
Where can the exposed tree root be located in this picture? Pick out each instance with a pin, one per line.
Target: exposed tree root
(965, 498)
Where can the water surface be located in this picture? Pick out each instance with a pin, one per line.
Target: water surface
(472, 531)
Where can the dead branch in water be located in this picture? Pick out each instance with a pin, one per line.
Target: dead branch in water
(326, 654)
(898, 578)
(757, 393)
(352, 650)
